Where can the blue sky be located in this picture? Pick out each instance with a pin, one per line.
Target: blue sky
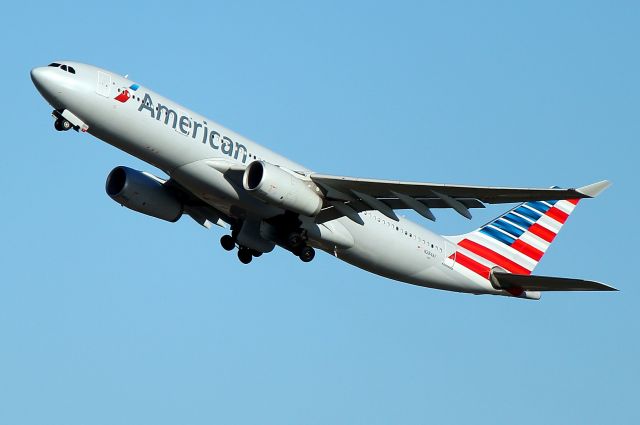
(111, 317)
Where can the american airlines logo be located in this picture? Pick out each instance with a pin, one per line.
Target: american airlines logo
(198, 131)
(125, 95)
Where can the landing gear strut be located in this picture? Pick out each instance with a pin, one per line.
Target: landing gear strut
(295, 241)
(298, 245)
(62, 125)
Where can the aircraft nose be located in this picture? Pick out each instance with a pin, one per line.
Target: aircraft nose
(49, 84)
(36, 74)
(41, 77)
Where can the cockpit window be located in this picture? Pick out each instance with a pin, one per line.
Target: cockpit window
(69, 69)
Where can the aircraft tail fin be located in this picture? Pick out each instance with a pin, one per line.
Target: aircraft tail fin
(516, 241)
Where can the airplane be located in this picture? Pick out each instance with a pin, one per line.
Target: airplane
(216, 176)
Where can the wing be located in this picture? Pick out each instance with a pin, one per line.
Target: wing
(204, 214)
(346, 196)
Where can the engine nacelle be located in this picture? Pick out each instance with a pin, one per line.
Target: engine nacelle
(143, 193)
(277, 187)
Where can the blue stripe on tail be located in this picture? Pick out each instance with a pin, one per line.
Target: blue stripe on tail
(496, 234)
(516, 219)
(509, 228)
(533, 215)
(537, 205)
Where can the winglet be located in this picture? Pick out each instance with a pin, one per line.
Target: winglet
(594, 189)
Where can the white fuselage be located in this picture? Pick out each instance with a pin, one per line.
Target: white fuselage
(183, 144)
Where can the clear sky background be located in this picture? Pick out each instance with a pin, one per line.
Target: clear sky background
(111, 317)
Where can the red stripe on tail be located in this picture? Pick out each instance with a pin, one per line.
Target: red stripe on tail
(528, 250)
(557, 215)
(494, 257)
(542, 232)
(473, 265)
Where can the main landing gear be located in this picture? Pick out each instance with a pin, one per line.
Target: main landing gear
(228, 242)
(295, 243)
(61, 124)
(307, 254)
(245, 255)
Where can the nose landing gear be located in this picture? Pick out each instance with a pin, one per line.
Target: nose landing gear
(66, 120)
(62, 125)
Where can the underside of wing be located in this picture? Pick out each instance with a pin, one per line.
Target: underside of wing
(346, 196)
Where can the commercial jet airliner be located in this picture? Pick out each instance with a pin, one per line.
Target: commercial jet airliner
(216, 176)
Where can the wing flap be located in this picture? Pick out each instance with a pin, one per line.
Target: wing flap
(331, 213)
(546, 283)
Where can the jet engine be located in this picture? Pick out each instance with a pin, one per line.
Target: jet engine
(144, 193)
(280, 188)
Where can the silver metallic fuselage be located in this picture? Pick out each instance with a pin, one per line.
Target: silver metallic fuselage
(399, 250)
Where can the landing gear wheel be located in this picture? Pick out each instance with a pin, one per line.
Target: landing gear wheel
(255, 253)
(228, 242)
(62, 125)
(244, 255)
(307, 253)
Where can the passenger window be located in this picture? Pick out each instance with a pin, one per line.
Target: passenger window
(63, 67)
(71, 70)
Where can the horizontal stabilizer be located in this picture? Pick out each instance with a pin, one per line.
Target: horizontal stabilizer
(545, 283)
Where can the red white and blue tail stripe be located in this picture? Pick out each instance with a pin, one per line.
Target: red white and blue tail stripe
(515, 241)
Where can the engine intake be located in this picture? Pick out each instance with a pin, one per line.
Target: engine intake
(144, 193)
(280, 188)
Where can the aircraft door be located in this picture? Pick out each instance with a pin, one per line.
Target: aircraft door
(104, 84)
